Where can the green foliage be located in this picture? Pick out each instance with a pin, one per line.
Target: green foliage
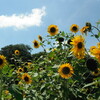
(14, 90)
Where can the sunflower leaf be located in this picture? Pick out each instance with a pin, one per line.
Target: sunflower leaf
(87, 85)
(13, 89)
(99, 34)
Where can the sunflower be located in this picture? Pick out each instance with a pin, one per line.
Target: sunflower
(98, 45)
(84, 30)
(54, 49)
(96, 72)
(29, 65)
(40, 37)
(96, 53)
(78, 47)
(20, 70)
(89, 26)
(6, 92)
(17, 52)
(36, 44)
(92, 48)
(66, 70)
(74, 28)
(53, 30)
(27, 78)
(3, 61)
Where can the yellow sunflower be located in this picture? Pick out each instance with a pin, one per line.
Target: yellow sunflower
(97, 72)
(98, 45)
(74, 28)
(17, 52)
(20, 70)
(36, 44)
(53, 30)
(40, 37)
(66, 70)
(78, 49)
(92, 48)
(3, 61)
(6, 92)
(27, 78)
(96, 53)
(29, 65)
(84, 30)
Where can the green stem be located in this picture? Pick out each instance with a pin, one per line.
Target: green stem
(44, 49)
(96, 28)
(94, 35)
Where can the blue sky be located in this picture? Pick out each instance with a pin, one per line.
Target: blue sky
(21, 21)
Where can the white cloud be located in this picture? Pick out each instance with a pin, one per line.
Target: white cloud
(23, 20)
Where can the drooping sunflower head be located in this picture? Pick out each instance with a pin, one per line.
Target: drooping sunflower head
(84, 30)
(27, 78)
(78, 46)
(74, 28)
(17, 52)
(92, 64)
(89, 26)
(40, 37)
(53, 30)
(66, 70)
(3, 61)
(36, 44)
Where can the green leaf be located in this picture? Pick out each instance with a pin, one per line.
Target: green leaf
(49, 42)
(99, 34)
(96, 36)
(5, 69)
(87, 85)
(63, 34)
(13, 89)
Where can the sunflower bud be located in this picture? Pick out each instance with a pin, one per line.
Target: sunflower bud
(89, 26)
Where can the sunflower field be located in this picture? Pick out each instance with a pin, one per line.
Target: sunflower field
(68, 70)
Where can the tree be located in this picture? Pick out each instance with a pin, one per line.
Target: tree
(25, 51)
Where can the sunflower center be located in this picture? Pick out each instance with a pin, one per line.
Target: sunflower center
(66, 70)
(74, 28)
(26, 78)
(1, 61)
(17, 52)
(79, 45)
(36, 44)
(52, 30)
(20, 70)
